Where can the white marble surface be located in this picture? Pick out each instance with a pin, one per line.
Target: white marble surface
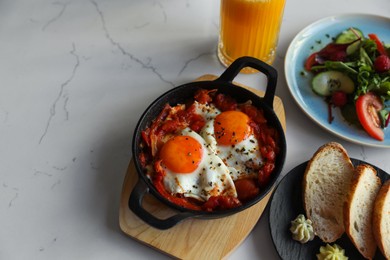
(76, 75)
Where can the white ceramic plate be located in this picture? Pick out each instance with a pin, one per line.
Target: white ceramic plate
(313, 38)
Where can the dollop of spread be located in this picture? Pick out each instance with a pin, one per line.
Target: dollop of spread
(302, 229)
(331, 252)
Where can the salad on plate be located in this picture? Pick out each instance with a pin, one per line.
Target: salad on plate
(352, 73)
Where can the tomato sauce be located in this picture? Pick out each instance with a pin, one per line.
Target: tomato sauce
(173, 119)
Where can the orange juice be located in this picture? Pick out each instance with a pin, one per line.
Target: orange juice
(249, 28)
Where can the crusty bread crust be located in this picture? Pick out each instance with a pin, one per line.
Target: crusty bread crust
(326, 183)
(359, 207)
(381, 219)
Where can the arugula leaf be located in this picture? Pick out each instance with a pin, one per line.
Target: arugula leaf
(383, 89)
(365, 59)
(368, 79)
(370, 48)
(383, 116)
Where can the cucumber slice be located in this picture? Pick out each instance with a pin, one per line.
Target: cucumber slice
(348, 36)
(325, 83)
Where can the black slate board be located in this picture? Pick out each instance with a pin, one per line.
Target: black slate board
(286, 204)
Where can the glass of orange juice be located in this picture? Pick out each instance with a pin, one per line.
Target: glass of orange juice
(249, 28)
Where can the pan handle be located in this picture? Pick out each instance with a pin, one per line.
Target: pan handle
(272, 75)
(135, 204)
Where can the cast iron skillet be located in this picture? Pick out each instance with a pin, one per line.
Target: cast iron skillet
(185, 92)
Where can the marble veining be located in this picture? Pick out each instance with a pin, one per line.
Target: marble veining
(146, 65)
(13, 190)
(55, 18)
(75, 78)
(61, 93)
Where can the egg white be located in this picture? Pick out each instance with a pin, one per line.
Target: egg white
(242, 159)
(207, 111)
(211, 178)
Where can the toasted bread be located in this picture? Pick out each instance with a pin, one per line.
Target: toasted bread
(381, 219)
(359, 209)
(326, 183)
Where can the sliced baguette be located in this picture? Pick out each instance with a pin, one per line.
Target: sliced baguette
(359, 209)
(326, 183)
(381, 219)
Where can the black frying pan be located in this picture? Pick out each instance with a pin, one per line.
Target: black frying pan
(186, 92)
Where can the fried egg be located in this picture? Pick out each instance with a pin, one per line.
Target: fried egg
(192, 169)
(230, 136)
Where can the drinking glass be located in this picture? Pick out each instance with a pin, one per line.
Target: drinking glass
(249, 28)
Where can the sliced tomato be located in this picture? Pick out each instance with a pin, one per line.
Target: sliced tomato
(367, 107)
(379, 45)
(311, 61)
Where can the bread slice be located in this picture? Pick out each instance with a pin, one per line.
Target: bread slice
(359, 209)
(381, 219)
(326, 183)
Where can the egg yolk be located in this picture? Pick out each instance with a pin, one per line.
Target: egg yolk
(181, 154)
(231, 127)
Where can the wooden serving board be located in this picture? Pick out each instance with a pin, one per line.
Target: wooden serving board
(192, 238)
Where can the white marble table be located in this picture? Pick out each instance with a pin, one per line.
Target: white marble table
(76, 75)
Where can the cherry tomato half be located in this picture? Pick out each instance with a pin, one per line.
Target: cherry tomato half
(367, 107)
